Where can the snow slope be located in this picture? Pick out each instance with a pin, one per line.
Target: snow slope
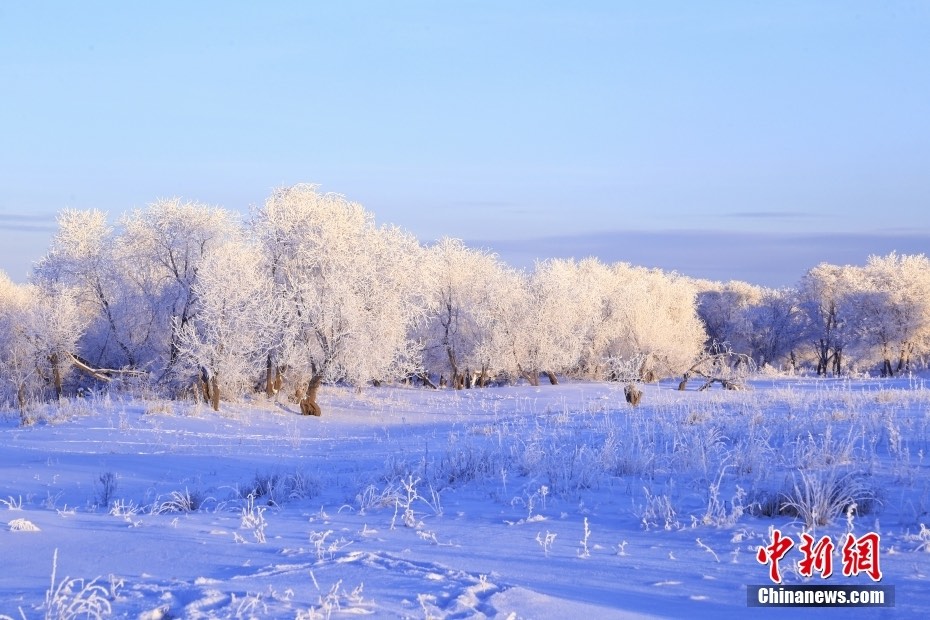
(516, 502)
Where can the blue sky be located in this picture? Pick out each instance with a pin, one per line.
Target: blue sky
(533, 128)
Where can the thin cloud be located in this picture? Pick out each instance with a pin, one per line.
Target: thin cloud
(24, 217)
(769, 215)
(768, 259)
(486, 204)
(27, 222)
(904, 230)
(36, 228)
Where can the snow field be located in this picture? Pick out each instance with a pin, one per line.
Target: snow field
(517, 502)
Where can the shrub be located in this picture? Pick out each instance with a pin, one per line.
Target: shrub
(75, 598)
(180, 501)
(819, 497)
(106, 486)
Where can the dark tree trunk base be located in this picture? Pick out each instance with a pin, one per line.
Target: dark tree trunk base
(632, 394)
(309, 407)
(56, 375)
(214, 393)
(308, 404)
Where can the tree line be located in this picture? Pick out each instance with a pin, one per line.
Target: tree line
(190, 299)
(837, 320)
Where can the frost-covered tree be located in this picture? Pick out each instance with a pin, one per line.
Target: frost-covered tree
(658, 319)
(893, 295)
(725, 311)
(227, 342)
(499, 319)
(631, 313)
(597, 314)
(17, 363)
(135, 285)
(549, 333)
(39, 329)
(164, 245)
(825, 300)
(778, 327)
(313, 290)
(83, 257)
(469, 296)
(346, 289)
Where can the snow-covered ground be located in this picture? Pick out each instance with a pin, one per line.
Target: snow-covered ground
(519, 502)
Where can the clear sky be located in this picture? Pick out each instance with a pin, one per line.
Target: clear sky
(724, 132)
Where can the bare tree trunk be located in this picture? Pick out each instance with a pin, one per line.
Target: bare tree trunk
(56, 374)
(308, 404)
(531, 377)
(904, 360)
(458, 381)
(553, 380)
(214, 393)
(424, 377)
(823, 358)
(269, 377)
(483, 377)
(204, 383)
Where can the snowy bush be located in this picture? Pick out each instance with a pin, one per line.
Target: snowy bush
(464, 462)
(75, 598)
(179, 501)
(276, 488)
(23, 525)
(819, 497)
(106, 485)
(253, 519)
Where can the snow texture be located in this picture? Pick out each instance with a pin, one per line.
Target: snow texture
(512, 502)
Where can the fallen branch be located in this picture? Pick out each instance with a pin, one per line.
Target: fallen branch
(87, 370)
(101, 374)
(719, 365)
